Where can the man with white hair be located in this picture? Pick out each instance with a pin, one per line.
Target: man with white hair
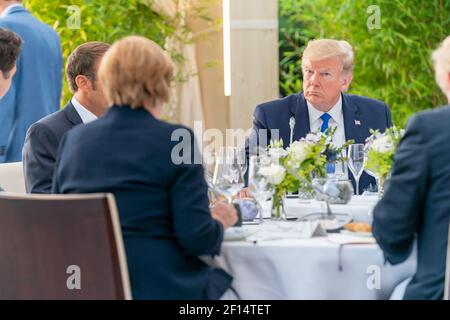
(416, 203)
(327, 73)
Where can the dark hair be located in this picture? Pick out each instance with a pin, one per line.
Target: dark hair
(83, 60)
(10, 47)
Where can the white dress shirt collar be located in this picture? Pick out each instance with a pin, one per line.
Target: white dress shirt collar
(336, 121)
(85, 115)
(335, 112)
(8, 9)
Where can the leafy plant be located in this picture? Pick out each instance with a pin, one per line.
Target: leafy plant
(99, 20)
(392, 63)
(380, 149)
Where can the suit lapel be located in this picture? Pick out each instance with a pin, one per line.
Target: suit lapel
(300, 111)
(353, 124)
(72, 114)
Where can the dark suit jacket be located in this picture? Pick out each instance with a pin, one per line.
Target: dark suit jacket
(360, 115)
(41, 148)
(163, 207)
(417, 201)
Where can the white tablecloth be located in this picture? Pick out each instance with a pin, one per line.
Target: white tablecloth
(316, 268)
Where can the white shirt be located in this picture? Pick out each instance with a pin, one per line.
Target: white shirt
(85, 115)
(337, 120)
(8, 9)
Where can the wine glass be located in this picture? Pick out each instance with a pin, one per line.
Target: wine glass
(356, 162)
(242, 159)
(336, 166)
(332, 191)
(209, 163)
(258, 184)
(375, 175)
(340, 170)
(228, 177)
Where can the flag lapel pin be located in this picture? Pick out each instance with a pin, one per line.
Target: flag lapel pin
(357, 123)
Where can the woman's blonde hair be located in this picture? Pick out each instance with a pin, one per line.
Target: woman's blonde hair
(135, 71)
(330, 48)
(441, 60)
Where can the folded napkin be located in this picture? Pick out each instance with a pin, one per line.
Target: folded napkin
(343, 239)
(288, 230)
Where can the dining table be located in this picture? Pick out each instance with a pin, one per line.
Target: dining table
(276, 259)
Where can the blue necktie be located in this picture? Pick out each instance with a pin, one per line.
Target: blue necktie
(325, 119)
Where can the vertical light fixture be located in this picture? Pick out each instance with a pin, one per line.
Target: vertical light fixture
(226, 47)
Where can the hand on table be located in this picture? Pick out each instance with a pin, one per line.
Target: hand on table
(225, 214)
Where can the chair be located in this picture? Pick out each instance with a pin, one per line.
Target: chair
(11, 177)
(447, 271)
(61, 247)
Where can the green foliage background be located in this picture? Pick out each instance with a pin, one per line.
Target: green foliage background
(101, 20)
(392, 63)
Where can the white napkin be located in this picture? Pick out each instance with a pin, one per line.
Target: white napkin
(288, 230)
(350, 239)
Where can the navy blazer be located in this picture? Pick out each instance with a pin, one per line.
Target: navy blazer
(41, 148)
(36, 87)
(360, 115)
(416, 203)
(163, 206)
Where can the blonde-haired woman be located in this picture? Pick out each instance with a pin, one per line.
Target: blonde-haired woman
(161, 194)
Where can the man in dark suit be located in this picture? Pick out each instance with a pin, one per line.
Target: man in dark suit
(36, 88)
(327, 73)
(88, 103)
(416, 203)
(10, 45)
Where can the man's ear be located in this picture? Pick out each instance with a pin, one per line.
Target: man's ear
(82, 81)
(13, 71)
(346, 81)
(10, 74)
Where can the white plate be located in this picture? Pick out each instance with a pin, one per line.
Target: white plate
(358, 234)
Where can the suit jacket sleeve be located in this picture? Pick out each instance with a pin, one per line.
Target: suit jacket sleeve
(56, 187)
(396, 216)
(39, 155)
(388, 116)
(195, 229)
(59, 75)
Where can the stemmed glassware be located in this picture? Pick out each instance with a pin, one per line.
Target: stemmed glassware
(340, 167)
(332, 191)
(356, 162)
(209, 164)
(228, 175)
(242, 159)
(329, 190)
(258, 184)
(379, 181)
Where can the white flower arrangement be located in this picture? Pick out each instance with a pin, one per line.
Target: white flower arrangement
(379, 150)
(314, 137)
(301, 159)
(298, 152)
(382, 143)
(275, 173)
